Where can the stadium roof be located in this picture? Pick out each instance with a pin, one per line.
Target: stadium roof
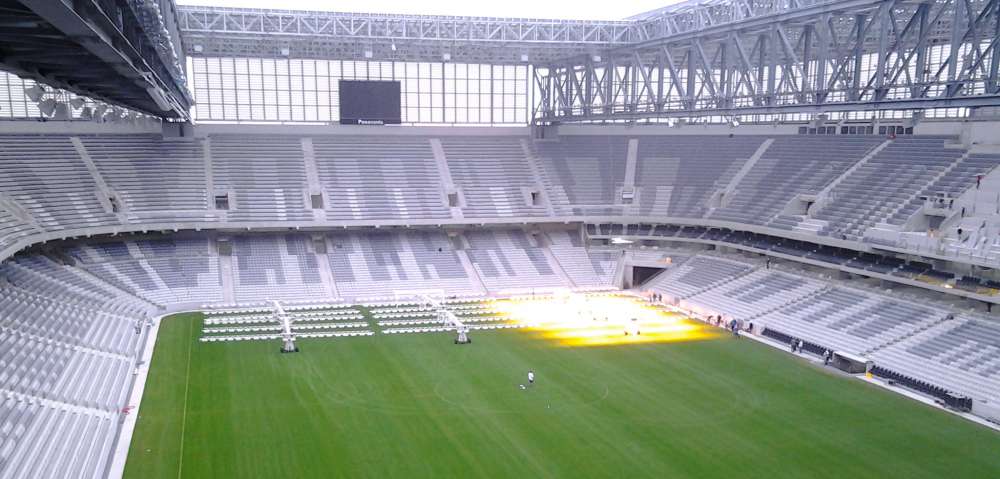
(116, 51)
(696, 57)
(267, 33)
(216, 31)
(550, 9)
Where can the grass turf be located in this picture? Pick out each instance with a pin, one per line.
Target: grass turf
(419, 406)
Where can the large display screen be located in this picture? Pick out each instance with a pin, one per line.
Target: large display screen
(370, 102)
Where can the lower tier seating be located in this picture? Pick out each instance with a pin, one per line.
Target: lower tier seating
(944, 350)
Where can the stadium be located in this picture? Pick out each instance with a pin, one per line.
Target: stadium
(714, 238)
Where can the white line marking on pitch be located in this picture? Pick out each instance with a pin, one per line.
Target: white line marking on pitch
(187, 382)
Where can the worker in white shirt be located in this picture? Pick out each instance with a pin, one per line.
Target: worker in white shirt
(531, 377)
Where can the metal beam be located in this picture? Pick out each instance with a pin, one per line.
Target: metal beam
(836, 55)
(226, 32)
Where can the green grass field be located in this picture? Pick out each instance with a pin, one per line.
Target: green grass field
(419, 406)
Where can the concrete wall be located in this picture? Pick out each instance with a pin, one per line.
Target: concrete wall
(971, 132)
(75, 127)
(640, 130)
(388, 130)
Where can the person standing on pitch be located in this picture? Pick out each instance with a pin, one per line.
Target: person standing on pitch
(531, 377)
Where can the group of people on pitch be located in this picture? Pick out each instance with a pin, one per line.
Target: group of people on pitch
(734, 325)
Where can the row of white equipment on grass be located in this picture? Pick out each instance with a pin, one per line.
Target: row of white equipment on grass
(446, 317)
(287, 336)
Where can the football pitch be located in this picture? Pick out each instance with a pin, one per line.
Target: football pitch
(416, 405)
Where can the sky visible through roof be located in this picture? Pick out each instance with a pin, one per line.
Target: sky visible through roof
(559, 9)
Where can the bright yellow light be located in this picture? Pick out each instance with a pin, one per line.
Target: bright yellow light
(599, 320)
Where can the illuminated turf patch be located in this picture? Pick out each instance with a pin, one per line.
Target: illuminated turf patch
(579, 320)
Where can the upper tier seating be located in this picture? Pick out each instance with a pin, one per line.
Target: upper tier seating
(144, 180)
(876, 190)
(494, 176)
(587, 173)
(952, 184)
(45, 178)
(791, 166)
(159, 180)
(379, 177)
(266, 174)
(678, 174)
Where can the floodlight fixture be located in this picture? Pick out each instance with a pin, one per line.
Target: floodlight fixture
(47, 106)
(113, 115)
(61, 111)
(35, 92)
